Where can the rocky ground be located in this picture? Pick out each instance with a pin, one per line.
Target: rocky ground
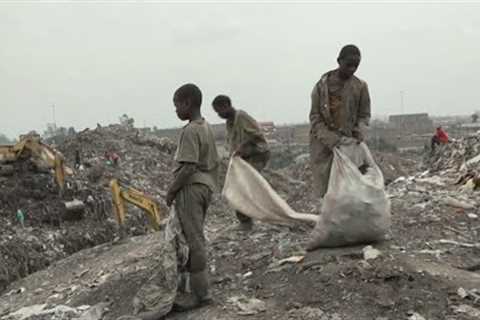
(426, 270)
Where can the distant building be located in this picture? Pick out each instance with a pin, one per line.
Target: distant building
(412, 123)
(475, 125)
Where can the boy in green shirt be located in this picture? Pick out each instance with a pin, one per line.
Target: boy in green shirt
(195, 181)
(245, 139)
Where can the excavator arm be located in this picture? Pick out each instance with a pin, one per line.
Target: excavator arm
(41, 154)
(137, 198)
(44, 155)
(7, 154)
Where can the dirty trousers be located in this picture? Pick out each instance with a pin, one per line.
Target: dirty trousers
(259, 162)
(321, 158)
(191, 204)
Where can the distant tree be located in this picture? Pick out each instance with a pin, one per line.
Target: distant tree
(71, 131)
(475, 117)
(126, 121)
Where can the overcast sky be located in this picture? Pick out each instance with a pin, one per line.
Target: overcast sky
(96, 61)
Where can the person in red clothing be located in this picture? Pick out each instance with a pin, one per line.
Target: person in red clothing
(440, 137)
(114, 158)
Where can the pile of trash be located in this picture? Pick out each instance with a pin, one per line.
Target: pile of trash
(40, 225)
(145, 162)
(394, 165)
(47, 230)
(454, 155)
(441, 204)
(425, 270)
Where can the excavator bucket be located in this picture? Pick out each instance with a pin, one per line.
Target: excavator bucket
(7, 154)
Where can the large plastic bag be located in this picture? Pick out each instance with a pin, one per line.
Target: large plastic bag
(356, 208)
(248, 192)
(158, 293)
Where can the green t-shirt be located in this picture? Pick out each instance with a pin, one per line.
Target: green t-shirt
(245, 129)
(196, 145)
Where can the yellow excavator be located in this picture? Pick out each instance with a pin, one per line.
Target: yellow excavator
(122, 192)
(42, 155)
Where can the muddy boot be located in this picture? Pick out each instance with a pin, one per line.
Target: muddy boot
(199, 297)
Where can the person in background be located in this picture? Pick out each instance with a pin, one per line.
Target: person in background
(245, 139)
(440, 137)
(77, 159)
(114, 158)
(20, 217)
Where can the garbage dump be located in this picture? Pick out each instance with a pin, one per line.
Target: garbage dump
(56, 225)
(426, 268)
(455, 154)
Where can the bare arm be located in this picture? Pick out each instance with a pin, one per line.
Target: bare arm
(182, 176)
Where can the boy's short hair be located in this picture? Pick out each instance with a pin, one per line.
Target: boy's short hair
(189, 91)
(348, 50)
(221, 100)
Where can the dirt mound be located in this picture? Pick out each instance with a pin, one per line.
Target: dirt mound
(113, 270)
